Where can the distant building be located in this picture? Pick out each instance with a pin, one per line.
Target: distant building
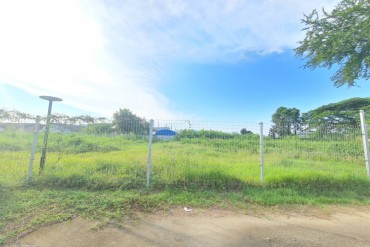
(164, 134)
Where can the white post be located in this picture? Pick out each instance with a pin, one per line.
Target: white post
(149, 164)
(365, 140)
(261, 154)
(34, 145)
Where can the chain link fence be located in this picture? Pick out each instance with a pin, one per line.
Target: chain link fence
(221, 155)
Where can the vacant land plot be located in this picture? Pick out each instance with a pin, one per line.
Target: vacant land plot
(102, 178)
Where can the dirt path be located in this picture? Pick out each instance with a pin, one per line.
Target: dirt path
(216, 228)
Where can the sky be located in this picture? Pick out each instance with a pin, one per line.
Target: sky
(216, 60)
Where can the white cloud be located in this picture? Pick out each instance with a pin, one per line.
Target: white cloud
(101, 56)
(206, 30)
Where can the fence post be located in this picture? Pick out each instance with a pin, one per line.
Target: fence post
(262, 165)
(149, 163)
(33, 149)
(365, 140)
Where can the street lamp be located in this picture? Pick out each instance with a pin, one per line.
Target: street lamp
(43, 156)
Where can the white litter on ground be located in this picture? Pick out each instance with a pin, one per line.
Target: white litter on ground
(188, 209)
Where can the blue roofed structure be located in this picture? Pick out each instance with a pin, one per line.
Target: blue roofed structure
(165, 134)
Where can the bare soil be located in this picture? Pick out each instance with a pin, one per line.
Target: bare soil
(342, 227)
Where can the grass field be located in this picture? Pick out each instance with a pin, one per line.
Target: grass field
(103, 177)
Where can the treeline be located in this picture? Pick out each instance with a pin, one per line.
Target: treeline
(124, 121)
(331, 118)
(15, 116)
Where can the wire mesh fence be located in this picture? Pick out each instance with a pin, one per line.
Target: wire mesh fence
(205, 154)
(15, 147)
(334, 150)
(184, 154)
(93, 156)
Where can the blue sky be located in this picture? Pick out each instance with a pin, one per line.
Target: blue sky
(229, 60)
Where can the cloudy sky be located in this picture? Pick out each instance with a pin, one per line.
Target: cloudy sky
(163, 59)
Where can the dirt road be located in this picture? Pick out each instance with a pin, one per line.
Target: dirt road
(215, 228)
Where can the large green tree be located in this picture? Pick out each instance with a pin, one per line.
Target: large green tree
(345, 112)
(341, 38)
(286, 122)
(127, 122)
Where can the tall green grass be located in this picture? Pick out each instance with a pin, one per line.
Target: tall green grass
(103, 176)
(98, 162)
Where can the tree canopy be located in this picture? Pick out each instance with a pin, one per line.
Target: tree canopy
(334, 116)
(343, 112)
(127, 122)
(244, 131)
(286, 122)
(340, 38)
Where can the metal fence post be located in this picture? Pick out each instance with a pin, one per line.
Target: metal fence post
(149, 163)
(365, 140)
(262, 165)
(34, 145)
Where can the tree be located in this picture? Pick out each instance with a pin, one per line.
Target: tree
(4, 115)
(345, 112)
(339, 38)
(15, 116)
(60, 118)
(124, 121)
(286, 122)
(273, 132)
(244, 131)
